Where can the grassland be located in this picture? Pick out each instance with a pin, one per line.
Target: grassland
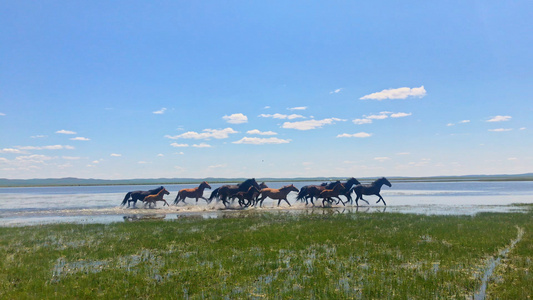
(261, 255)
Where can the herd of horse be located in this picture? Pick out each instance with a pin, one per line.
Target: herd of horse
(250, 193)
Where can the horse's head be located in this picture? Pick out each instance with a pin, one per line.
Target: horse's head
(205, 185)
(291, 188)
(165, 191)
(263, 185)
(352, 181)
(332, 185)
(251, 182)
(384, 181)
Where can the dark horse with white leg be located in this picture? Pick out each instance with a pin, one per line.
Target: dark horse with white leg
(371, 189)
(197, 192)
(225, 191)
(139, 195)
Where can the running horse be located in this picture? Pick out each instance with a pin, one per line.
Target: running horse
(197, 192)
(139, 195)
(312, 191)
(277, 194)
(225, 191)
(152, 199)
(328, 194)
(371, 189)
(249, 195)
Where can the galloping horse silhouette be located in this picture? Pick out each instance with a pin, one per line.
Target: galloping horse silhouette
(226, 191)
(328, 194)
(371, 189)
(249, 195)
(312, 191)
(196, 192)
(277, 194)
(151, 199)
(139, 195)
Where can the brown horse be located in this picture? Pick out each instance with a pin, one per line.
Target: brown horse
(277, 194)
(249, 195)
(152, 199)
(196, 192)
(328, 194)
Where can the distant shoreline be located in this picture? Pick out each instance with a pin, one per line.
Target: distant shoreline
(6, 183)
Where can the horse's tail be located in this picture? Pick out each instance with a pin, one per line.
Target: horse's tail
(177, 197)
(126, 198)
(302, 193)
(214, 194)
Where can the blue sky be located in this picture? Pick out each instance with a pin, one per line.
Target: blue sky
(136, 89)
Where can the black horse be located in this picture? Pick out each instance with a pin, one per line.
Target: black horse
(371, 189)
(348, 188)
(225, 191)
(139, 195)
(309, 192)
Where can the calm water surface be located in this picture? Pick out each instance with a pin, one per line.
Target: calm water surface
(101, 204)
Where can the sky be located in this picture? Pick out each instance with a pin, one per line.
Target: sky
(197, 89)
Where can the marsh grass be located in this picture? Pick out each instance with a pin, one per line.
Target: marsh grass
(261, 255)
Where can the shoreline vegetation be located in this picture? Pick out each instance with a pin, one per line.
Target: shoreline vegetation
(70, 181)
(262, 255)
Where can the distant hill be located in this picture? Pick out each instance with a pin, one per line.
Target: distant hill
(70, 181)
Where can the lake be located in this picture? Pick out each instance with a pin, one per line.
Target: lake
(101, 204)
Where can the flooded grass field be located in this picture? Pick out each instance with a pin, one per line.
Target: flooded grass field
(274, 255)
(433, 240)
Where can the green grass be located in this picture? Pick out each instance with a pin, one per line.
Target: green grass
(261, 255)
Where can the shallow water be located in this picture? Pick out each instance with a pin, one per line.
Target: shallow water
(101, 204)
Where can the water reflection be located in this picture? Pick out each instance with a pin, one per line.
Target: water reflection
(141, 217)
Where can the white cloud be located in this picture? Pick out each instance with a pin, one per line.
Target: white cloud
(522, 128)
(261, 141)
(464, 121)
(310, 124)
(450, 124)
(500, 129)
(236, 118)
(298, 108)
(50, 147)
(266, 107)
(281, 116)
(361, 121)
(399, 93)
(377, 117)
(256, 131)
(63, 131)
(79, 138)
(403, 153)
(71, 157)
(400, 115)
(116, 155)
(142, 162)
(202, 145)
(2, 114)
(38, 136)
(499, 119)
(160, 112)
(10, 150)
(382, 159)
(160, 155)
(207, 134)
(179, 145)
(336, 91)
(355, 135)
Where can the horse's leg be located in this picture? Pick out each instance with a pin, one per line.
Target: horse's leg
(287, 201)
(381, 198)
(165, 202)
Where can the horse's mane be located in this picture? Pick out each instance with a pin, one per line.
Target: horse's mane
(156, 190)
